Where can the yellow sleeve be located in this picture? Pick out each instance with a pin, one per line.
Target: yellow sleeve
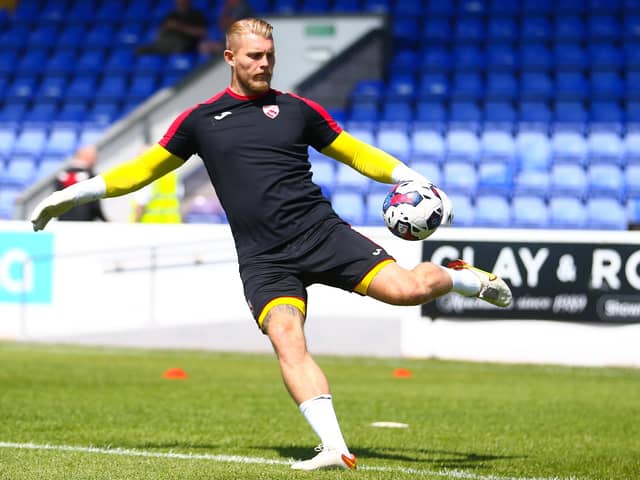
(365, 158)
(152, 164)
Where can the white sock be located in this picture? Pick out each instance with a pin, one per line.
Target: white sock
(321, 416)
(464, 281)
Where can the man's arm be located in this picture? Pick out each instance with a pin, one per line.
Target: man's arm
(120, 180)
(378, 165)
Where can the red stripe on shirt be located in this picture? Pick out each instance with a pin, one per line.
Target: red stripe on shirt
(320, 109)
(164, 141)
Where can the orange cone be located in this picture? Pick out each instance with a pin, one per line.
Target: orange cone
(175, 374)
(402, 373)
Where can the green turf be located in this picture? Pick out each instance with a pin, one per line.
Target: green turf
(466, 420)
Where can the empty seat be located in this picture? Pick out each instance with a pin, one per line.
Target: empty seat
(568, 179)
(430, 115)
(142, 86)
(436, 30)
(497, 145)
(495, 177)
(435, 58)
(468, 57)
(567, 212)
(570, 86)
(536, 86)
(569, 56)
(501, 86)
(459, 177)
(606, 214)
(467, 86)
(30, 141)
(394, 142)
(462, 145)
(100, 35)
(632, 181)
(535, 29)
(535, 57)
(371, 90)
(532, 183)
(534, 115)
(529, 211)
(19, 172)
(61, 141)
(364, 111)
(501, 58)
(430, 170)
(464, 211)
(350, 206)
(605, 147)
(499, 115)
(492, 211)
(570, 114)
(607, 86)
(568, 28)
(464, 115)
(433, 86)
(569, 147)
(427, 144)
(605, 57)
(401, 86)
(373, 208)
(349, 177)
(606, 180)
(469, 29)
(501, 29)
(603, 27)
(397, 111)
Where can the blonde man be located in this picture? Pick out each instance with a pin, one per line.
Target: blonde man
(253, 141)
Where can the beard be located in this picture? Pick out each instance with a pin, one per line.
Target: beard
(256, 86)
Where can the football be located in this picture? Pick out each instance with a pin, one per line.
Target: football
(412, 210)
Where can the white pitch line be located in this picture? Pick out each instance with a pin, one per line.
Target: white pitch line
(455, 474)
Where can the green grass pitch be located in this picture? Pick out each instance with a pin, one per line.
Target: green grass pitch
(96, 413)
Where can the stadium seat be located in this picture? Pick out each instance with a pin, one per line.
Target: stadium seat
(464, 211)
(568, 179)
(430, 116)
(529, 211)
(569, 57)
(324, 171)
(401, 86)
(535, 57)
(570, 86)
(373, 208)
(433, 86)
(495, 177)
(428, 145)
(43, 36)
(408, 8)
(605, 147)
(111, 88)
(464, 115)
(532, 183)
(24, 88)
(607, 86)
(41, 114)
(91, 61)
(497, 145)
(48, 165)
(499, 115)
(606, 214)
(349, 177)
(568, 28)
(462, 145)
(350, 206)
(61, 141)
(371, 90)
(533, 150)
(99, 36)
(142, 86)
(534, 29)
(32, 62)
(395, 142)
(501, 29)
(405, 31)
(7, 198)
(52, 88)
(492, 211)
(534, 115)
(567, 212)
(436, 30)
(430, 170)
(467, 86)
(459, 177)
(119, 61)
(30, 141)
(501, 58)
(501, 86)
(19, 172)
(468, 57)
(435, 59)
(398, 111)
(82, 88)
(569, 147)
(606, 116)
(469, 29)
(605, 57)
(605, 180)
(571, 115)
(364, 111)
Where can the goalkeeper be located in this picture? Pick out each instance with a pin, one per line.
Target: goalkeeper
(253, 141)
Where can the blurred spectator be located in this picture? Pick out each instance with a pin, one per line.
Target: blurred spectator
(231, 11)
(159, 202)
(180, 31)
(80, 169)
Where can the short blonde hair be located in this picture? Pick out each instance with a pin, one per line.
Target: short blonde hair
(249, 25)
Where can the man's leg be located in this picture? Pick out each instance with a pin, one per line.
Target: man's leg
(308, 387)
(427, 281)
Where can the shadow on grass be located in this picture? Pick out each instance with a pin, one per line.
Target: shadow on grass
(433, 458)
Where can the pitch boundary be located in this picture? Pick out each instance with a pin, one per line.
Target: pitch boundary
(453, 474)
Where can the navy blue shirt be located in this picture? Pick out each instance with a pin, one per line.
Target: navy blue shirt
(255, 150)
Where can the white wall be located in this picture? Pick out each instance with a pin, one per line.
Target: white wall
(103, 291)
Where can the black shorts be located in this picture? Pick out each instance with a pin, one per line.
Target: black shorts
(331, 253)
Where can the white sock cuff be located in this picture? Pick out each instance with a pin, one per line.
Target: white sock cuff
(464, 282)
(307, 403)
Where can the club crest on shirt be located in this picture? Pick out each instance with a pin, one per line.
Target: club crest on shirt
(271, 111)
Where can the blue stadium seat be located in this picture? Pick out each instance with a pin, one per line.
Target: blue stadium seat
(373, 208)
(81, 13)
(32, 62)
(19, 172)
(605, 57)
(533, 149)
(606, 116)
(428, 145)
(501, 86)
(405, 31)
(632, 181)
(570, 115)
(569, 147)
(568, 179)
(497, 145)
(536, 86)
(567, 212)
(376, 6)
(501, 29)
(631, 53)
(8, 138)
(91, 61)
(7, 198)
(568, 28)
(180, 63)
(15, 37)
(401, 86)
(528, 211)
(119, 61)
(81, 88)
(99, 36)
(368, 90)
(363, 133)
(111, 88)
(467, 86)
(134, 11)
(350, 206)
(395, 142)
(569, 57)
(631, 28)
(142, 86)
(61, 141)
(606, 86)
(492, 211)
(351, 6)
(465, 115)
(150, 64)
(570, 86)
(468, 57)
(90, 134)
(436, 30)
(430, 115)
(508, 8)
(30, 141)
(61, 62)
(605, 180)
(495, 177)
(435, 59)
(464, 211)
(130, 34)
(103, 113)
(405, 60)
(570, 7)
(440, 9)
(606, 214)
(603, 27)
(43, 36)
(408, 7)
(535, 57)
(71, 36)
(52, 88)
(605, 147)
(23, 87)
(469, 29)
(459, 177)
(109, 12)
(348, 177)
(534, 29)
(532, 183)
(472, 8)
(429, 169)
(364, 111)
(501, 58)
(73, 111)
(433, 86)
(323, 169)
(462, 145)
(8, 61)
(499, 115)
(40, 114)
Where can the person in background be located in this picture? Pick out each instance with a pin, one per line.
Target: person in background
(180, 31)
(159, 202)
(81, 168)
